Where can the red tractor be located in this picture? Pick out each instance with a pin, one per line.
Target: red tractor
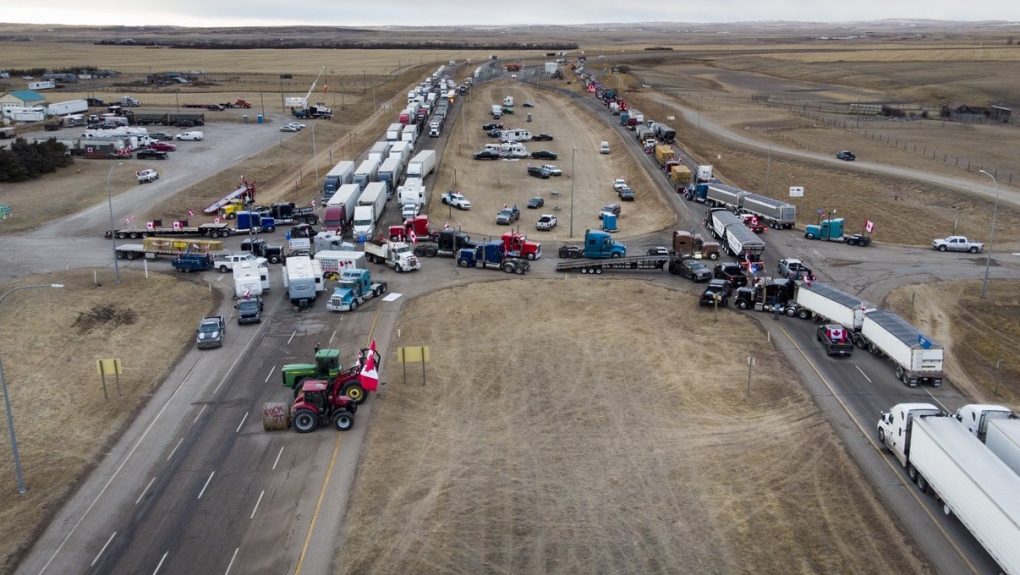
(321, 403)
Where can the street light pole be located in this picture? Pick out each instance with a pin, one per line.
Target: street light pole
(991, 236)
(315, 156)
(7, 400)
(113, 225)
(573, 153)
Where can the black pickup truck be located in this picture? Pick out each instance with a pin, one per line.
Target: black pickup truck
(249, 310)
(836, 339)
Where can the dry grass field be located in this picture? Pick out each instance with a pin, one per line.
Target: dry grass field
(549, 455)
(586, 446)
(51, 340)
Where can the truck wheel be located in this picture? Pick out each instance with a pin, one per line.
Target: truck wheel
(343, 420)
(575, 255)
(223, 269)
(922, 483)
(355, 392)
(899, 374)
(852, 242)
(942, 248)
(354, 305)
(912, 472)
(809, 236)
(304, 420)
(231, 216)
(741, 304)
(881, 436)
(382, 289)
(508, 268)
(431, 252)
(462, 263)
(224, 233)
(270, 229)
(584, 270)
(531, 256)
(973, 249)
(713, 256)
(616, 255)
(274, 259)
(946, 509)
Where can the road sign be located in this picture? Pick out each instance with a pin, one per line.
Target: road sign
(796, 191)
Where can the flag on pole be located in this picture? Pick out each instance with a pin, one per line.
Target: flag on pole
(369, 376)
(216, 221)
(869, 226)
(313, 203)
(191, 213)
(247, 293)
(325, 88)
(446, 226)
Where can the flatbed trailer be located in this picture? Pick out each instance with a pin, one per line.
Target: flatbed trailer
(596, 266)
(152, 247)
(204, 230)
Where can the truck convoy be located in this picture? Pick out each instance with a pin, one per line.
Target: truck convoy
(370, 208)
(340, 209)
(941, 456)
(355, 288)
(342, 173)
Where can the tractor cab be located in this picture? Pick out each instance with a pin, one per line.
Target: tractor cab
(314, 394)
(327, 363)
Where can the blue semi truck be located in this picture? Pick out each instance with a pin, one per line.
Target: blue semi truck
(492, 255)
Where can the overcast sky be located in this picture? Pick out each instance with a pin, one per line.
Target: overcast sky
(453, 12)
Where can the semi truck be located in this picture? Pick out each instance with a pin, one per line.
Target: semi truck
(1003, 439)
(286, 213)
(517, 245)
(694, 245)
(355, 288)
(369, 210)
(681, 178)
(153, 247)
(448, 243)
(740, 241)
(379, 151)
(827, 230)
(389, 172)
(971, 482)
(491, 255)
(597, 245)
(918, 358)
(393, 132)
(764, 295)
(409, 133)
(824, 301)
(977, 416)
(339, 210)
(722, 196)
(778, 214)
(342, 173)
(367, 172)
(176, 228)
(412, 193)
(663, 132)
(422, 164)
(401, 150)
(397, 255)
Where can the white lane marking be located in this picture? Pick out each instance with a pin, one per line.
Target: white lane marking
(270, 374)
(864, 374)
(142, 494)
(200, 412)
(293, 334)
(107, 544)
(179, 442)
(231, 564)
(277, 458)
(162, 559)
(206, 484)
(243, 419)
(257, 504)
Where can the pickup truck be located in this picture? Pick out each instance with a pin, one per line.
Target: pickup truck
(546, 222)
(835, 339)
(146, 176)
(249, 310)
(225, 262)
(210, 332)
(957, 244)
(456, 200)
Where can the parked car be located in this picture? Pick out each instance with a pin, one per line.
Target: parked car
(693, 270)
(297, 125)
(538, 172)
(544, 155)
(528, 105)
(494, 133)
(553, 170)
(610, 208)
(541, 138)
(957, 244)
(492, 126)
(150, 154)
(626, 194)
(535, 203)
(190, 136)
(163, 146)
(731, 273)
(793, 268)
(717, 292)
(456, 200)
(288, 128)
(210, 332)
(604, 148)
(619, 183)
(162, 136)
(546, 222)
(846, 155)
(487, 155)
(147, 176)
(507, 216)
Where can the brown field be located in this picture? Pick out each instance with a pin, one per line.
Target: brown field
(584, 492)
(51, 340)
(570, 451)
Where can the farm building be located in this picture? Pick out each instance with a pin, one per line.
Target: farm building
(972, 114)
(21, 99)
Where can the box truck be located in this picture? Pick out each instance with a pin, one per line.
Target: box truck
(340, 208)
(422, 164)
(369, 210)
(342, 173)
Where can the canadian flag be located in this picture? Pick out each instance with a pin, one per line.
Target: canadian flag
(369, 375)
(191, 213)
(216, 221)
(414, 238)
(247, 293)
(127, 221)
(869, 226)
(177, 225)
(446, 226)
(313, 203)
(149, 226)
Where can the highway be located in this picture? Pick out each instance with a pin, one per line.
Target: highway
(196, 485)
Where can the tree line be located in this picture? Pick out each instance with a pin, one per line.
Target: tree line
(25, 161)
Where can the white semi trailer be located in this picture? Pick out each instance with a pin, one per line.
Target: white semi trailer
(833, 305)
(918, 358)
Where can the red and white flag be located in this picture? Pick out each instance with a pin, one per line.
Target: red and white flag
(149, 226)
(247, 293)
(446, 226)
(216, 221)
(127, 221)
(369, 375)
(177, 225)
(869, 226)
(313, 203)
(191, 213)
(414, 238)
(325, 88)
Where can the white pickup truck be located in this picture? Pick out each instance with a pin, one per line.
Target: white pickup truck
(146, 176)
(225, 261)
(397, 255)
(957, 244)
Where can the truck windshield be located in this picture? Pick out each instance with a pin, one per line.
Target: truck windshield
(248, 305)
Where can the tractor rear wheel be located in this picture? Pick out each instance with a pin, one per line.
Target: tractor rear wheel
(355, 392)
(305, 420)
(343, 420)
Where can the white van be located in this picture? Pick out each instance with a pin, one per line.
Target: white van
(514, 136)
(497, 111)
(190, 136)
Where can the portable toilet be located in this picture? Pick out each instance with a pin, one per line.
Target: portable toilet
(609, 222)
(529, 116)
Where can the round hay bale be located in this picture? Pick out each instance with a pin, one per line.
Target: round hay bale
(275, 416)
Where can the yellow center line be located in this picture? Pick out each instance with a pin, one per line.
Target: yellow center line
(878, 448)
(318, 504)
